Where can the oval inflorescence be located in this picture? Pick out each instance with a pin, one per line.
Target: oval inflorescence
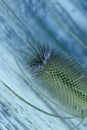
(60, 77)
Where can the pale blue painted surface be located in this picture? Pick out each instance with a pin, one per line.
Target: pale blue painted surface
(34, 19)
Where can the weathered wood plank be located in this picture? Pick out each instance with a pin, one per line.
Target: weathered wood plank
(20, 19)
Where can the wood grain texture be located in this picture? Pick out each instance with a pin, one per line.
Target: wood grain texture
(22, 19)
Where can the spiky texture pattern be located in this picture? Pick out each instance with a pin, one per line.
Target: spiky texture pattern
(61, 77)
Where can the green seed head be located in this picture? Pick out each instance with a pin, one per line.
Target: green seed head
(60, 77)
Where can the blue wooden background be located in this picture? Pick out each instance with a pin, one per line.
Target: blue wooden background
(36, 19)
